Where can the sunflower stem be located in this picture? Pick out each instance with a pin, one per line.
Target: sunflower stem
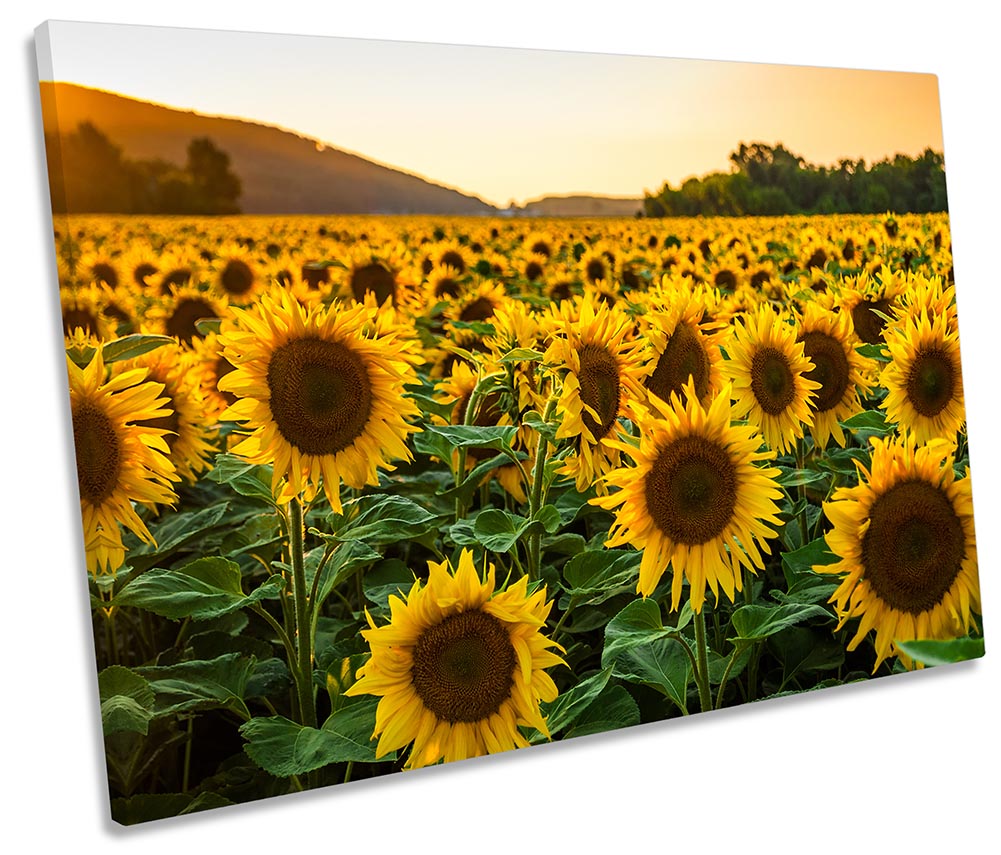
(303, 639)
(535, 498)
(737, 650)
(702, 672)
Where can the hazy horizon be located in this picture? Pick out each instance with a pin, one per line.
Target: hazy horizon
(565, 123)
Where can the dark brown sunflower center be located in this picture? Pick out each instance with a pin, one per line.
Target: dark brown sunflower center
(831, 369)
(105, 273)
(446, 287)
(376, 279)
(463, 667)
(142, 270)
(188, 310)
(771, 381)
(599, 388)
(237, 278)
(595, 269)
(533, 270)
(321, 394)
(726, 280)
(931, 382)
(684, 357)
(481, 309)
(98, 452)
(454, 260)
(560, 291)
(691, 490)
(914, 546)
(73, 318)
(180, 276)
(315, 275)
(868, 324)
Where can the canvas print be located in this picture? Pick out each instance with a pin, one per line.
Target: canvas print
(431, 402)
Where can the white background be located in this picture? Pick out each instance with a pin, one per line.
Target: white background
(910, 763)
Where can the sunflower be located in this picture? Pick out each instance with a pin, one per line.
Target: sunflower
(604, 369)
(829, 342)
(924, 380)
(871, 299)
(769, 370)
(178, 313)
(118, 460)
(236, 274)
(322, 392)
(477, 303)
(186, 426)
(907, 547)
(99, 268)
(84, 308)
(682, 346)
(696, 500)
(459, 668)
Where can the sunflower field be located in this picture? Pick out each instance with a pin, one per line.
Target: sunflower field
(367, 494)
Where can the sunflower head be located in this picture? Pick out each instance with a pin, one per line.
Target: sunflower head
(696, 500)
(907, 548)
(459, 667)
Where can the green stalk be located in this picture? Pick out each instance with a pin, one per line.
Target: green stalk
(536, 497)
(726, 674)
(303, 638)
(702, 673)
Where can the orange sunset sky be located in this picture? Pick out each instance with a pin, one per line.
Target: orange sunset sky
(504, 123)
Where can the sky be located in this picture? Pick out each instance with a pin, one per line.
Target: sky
(510, 124)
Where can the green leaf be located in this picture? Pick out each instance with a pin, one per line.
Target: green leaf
(549, 518)
(598, 574)
(568, 706)
(202, 589)
(201, 684)
(208, 325)
(755, 622)
(126, 701)
(388, 578)
(931, 652)
(799, 562)
(499, 530)
(381, 519)
(348, 558)
(799, 477)
(283, 748)
(802, 650)
(247, 479)
(175, 531)
(640, 650)
(497, 437)
(522, 354)
(874, 351)
(613, 709)
(132, 346)
(870, 421)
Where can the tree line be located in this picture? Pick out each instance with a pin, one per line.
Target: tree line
(88, 173)
(771, 180)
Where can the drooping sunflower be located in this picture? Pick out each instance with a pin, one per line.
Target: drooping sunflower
(604, 371)
(907, 547)
(769, 371)
(118, 460)
(460, 667)
(696, 499)
(829, 342)
(321, 389)
(924, 379)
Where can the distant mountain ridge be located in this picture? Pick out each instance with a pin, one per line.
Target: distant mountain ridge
(282, 172)
(580, 205)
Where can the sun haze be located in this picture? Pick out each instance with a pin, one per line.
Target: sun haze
(504, 123)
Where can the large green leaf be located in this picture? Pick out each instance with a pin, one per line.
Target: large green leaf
(568, 706)
(613, 709)
(499, 530)
(497, 437)
(201, 684)
(126, 701)
(640, 650)
(381, 519)
(799, 563)
(175, 531)
(597, 574)
(131, 346)
(755, 622)
(284, 748)
(202, 589)
(930, 652)
(802, 650)
(247, 479)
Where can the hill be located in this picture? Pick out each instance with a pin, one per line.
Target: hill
(581, 206)
(281, 172)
